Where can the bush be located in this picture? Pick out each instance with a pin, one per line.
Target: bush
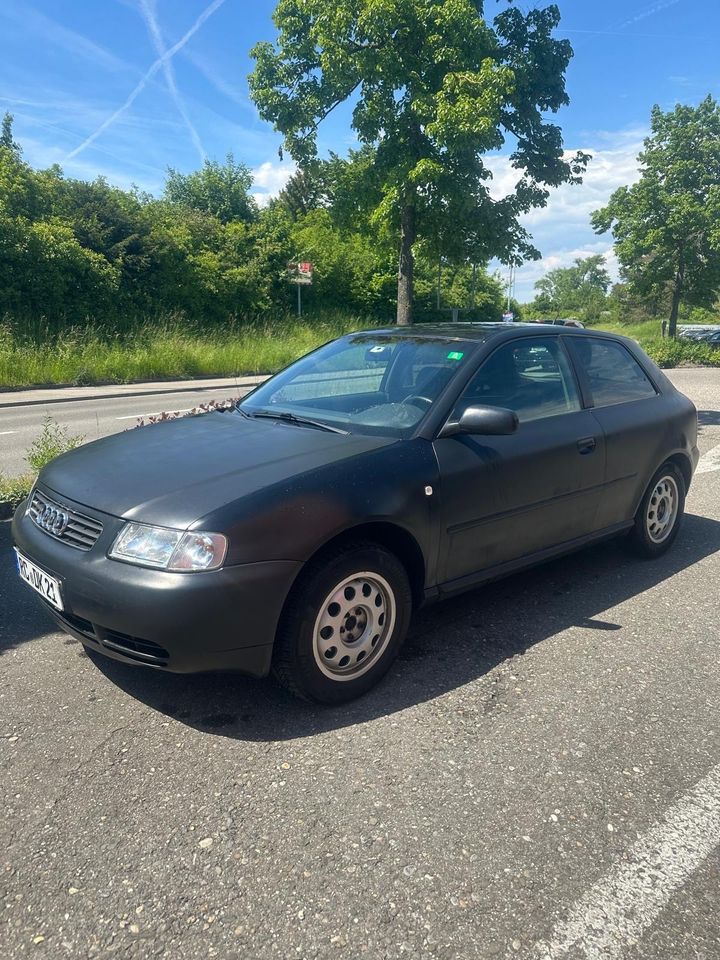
(13, 491)
(53, 441)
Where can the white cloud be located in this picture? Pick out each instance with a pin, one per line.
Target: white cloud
(270, 178)
(562, 230)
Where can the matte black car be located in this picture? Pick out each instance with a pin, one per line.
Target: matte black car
(298, 531)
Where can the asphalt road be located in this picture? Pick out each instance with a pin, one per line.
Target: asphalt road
(91, 419)
(538, 777)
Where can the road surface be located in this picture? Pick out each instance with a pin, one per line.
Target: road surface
(90, 418)
(538, 777)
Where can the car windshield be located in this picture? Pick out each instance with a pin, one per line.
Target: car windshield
(380, 384)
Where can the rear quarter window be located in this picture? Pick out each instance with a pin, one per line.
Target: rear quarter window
(614, 375)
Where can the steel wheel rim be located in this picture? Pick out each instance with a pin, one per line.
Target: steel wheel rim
(354, 625)
(662, 509)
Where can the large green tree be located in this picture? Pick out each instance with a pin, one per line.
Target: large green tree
(434, 85)
(221, 189)
(581, 288)
(666, 225)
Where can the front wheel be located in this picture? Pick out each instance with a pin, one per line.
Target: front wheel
(660, 513)
(344, 624)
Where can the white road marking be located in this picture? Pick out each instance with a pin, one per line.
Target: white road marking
(613, 914)
(710, 462)
(6, 433)
(141, 416)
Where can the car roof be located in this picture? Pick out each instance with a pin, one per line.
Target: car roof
(481, 332)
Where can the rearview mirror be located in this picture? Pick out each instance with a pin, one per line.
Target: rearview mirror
(483, 421)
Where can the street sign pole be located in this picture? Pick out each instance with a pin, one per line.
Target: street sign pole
(301, 274)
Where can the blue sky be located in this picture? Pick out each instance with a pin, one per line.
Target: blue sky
(83, 81)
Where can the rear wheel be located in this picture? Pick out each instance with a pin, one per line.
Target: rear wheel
(344, 624)
(660, 513)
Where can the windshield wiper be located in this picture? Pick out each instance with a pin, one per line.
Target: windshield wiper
(293, 418)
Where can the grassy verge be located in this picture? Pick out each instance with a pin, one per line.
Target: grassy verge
(664, 351)
(170, 350)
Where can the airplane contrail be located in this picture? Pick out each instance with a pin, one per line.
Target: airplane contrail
(150, 73)
(147, 9)
(643, 15)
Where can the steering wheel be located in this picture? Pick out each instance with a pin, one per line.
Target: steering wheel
(415, 397)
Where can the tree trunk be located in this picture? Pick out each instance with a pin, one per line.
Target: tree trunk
(406, 269)
(676, 298)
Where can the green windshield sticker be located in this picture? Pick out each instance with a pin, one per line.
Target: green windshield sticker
(454, 355)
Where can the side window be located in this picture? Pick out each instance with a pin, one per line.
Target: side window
(531, 377)
(614, 374)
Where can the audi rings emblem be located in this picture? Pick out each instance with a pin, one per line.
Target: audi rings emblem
(52, 520)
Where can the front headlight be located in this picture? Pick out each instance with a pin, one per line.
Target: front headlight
(169, 549)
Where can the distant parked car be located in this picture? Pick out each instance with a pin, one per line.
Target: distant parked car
(701, 333)
(389, 468)
(569, 322)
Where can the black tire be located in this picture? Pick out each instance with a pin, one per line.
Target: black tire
(648, 537)
(300, 664)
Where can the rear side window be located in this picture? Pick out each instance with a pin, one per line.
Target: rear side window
(614, 374)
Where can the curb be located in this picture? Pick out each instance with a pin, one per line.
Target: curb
(145, 390)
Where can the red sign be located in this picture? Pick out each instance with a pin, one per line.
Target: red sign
(305, 269)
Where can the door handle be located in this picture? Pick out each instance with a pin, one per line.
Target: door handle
(586, 445)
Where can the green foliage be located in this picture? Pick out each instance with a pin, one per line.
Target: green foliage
(7, 141)
(51, 442)
(580, 290)
(665, 351)
(665, 226)
(220, 189)
(13, 490)
(435, 86)
(304, 192)
(161, 349)
(76, 254)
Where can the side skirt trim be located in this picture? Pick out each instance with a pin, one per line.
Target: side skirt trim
(451, 587)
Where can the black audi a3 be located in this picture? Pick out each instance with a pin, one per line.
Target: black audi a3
(298, 531)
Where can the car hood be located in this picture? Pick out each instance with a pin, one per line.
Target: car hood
(175, 472)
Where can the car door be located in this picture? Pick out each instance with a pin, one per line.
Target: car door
(627, 407)
(502, 498)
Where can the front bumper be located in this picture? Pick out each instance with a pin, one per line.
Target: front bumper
(182, 622)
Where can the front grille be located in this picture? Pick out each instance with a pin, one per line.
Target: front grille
(62, 523)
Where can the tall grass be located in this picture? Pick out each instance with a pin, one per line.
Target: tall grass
(160, 349)
(174, 349)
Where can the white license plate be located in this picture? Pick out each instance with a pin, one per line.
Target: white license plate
(48, 587)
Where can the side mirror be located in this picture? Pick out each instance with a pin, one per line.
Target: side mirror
(483, 421)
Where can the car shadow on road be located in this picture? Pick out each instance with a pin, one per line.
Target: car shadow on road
(21, 616)
(450, 644)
